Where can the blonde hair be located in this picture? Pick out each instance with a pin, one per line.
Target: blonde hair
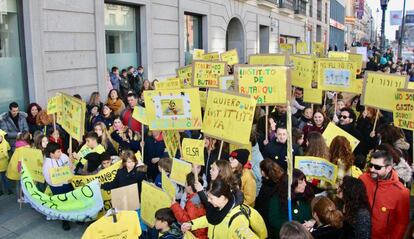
(105, 135)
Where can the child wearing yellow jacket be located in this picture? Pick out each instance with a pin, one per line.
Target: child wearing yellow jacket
(4, 161)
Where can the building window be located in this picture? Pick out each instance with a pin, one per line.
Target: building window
(13, 83)
(326, 12)
(319, 10)
(193, 38)
(121, 35)
(311, 8)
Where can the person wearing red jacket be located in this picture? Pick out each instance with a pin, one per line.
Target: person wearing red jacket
(193, 207)
(126, 114)
(387, 196)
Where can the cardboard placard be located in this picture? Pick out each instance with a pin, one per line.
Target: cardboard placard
(172, 141)
(185, 74)
(336, 75)
(227, 83)
(303, 72)
(140, 114)
(211, 56)
(152, 199)
(403, 111)
(313, 96)
(332, 131)
(60, 175)
(179, 171)
(231, 57)
(268, 59)
(318, 168)
(73, 116)
(125, 198)
(206, 73)
(168, 84)
(193, 151)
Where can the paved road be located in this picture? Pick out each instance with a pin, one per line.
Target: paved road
(26, 223)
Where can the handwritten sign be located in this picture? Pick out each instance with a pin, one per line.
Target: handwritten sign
(268, 59)
(303, 71)
(211, 56)
(403, 110)
(167, 185)
(198, 54)
(206, 73)
(337, 75)
(313, 96)
(231, 57)
(140, 114)
(152, 199)
(226, 83)
(229, 116)
(172, 141)
(33, 159)
(73, 116)
(332, 131)
(345, 56)
(168, 84)
(185, 74)
(302, 48)
(318, 48)
(193, 151)
(203, 98)
(318, 168)
(173, 109)
(60, 175)
(286, 47)
(54, 104)
(179, 171)
(379, 89)
(267, 84)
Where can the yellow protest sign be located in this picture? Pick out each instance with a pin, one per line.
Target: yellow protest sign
(33, 159)
(152, 199)
(268, 59)
(179, 171)
(173, 109)
(60, 175)
(410, 85)
(332, 131)
(303, 71)
(193, 151)
(318, 48)
(203, 98)
(167, 185)
(345, 56)
(172, 141)
(104, 176)
(379, 89)
(211, 56)
(198, 54)
(313, 96)
(336, 75)
(233, 147)
(226, 83)
(206, 73)
(338, 54)
(139, 114)
(267, 84)
(403, 110)
(169, 84)
(185, 74)
(318, 168)
(229, 116)
(73, 116)
(286, 47)
(138, 155)
(54, 104)
(231, 57)
(302, 48)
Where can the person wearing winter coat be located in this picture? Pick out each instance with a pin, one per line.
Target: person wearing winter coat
(388, 198)
(400, 166)
(257, 158)
(222, 221)
(242, 171)
(13, 123)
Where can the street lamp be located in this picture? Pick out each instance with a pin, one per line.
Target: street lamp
(384, 4)
(370, 31)
(400, 39)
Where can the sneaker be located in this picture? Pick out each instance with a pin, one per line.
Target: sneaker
(21, 200)
(65, 225)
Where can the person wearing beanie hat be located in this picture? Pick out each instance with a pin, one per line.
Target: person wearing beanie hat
(242, 170)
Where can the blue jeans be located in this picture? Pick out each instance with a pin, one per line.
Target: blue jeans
(5, 181)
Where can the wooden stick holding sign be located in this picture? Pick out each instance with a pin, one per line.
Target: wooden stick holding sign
(376, 119)
(289, 157)
(267, 122)
(142, 141)
(221, 148)
(54, 122)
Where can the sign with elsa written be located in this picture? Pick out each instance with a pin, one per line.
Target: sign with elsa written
(318, 168)
(337, 75)
(229, 116)
(404, 109)
(268, 85)
(173, 109)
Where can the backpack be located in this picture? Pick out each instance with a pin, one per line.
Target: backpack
(256, 222)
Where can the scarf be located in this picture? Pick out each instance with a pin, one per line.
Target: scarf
(215, 216)
(115, 106)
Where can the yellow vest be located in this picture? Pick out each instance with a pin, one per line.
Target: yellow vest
(85, 150)
(12, 171)
(4, 155)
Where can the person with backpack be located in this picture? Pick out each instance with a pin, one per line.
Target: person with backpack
(227, 219)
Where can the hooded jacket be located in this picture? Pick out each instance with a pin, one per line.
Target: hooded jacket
(390, 203)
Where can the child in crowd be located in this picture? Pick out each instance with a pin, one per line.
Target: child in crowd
(243, 173)
(4, 161)
(90, 146)
(54, 136)
(166, 224)
(106, 161)
(165, 165)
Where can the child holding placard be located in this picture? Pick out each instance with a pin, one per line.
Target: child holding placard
(4, 161)
(90, 146)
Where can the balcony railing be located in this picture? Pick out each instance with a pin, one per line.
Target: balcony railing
(289, 4)
(298, 6)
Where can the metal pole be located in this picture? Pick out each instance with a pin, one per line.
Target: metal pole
(400, 40)
(383, 7)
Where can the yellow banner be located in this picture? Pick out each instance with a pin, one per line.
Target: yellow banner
(403, 110)
(198, 54)
(73, 116)
(286, 47)
(303, 71)
(337, 75)
(167, 185)
(318, 48)
(206, 74)
(54, 104)
(229, 116)
(172, 141)
(169, 84)
(152, 199)
(179, 171)
(318, 168)
(193, 151)
(410, 85)
(139, 114)
(332, 131)
(231, 57)
(226, 83)
(380, 88)
(267, 84)
(302, 48)
(173, 109)
(185, 74)
(60, 175)
(267, 59)
(211, 56)
(313, 96)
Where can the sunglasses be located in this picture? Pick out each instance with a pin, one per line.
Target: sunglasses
(376, 166)
(343, 117)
